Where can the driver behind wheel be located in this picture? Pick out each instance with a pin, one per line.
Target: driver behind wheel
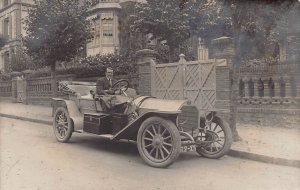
(104, 84)
(108, 96)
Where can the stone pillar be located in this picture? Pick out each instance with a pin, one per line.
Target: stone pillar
(202, 51)
(288, 88)
(14, 90)
(223, 90)
(277, 87)
(246, 82)
(256, 93)
(26, 74)
(223, 49)
(145, 59)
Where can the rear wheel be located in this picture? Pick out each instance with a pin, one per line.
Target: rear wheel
(62, 125)
(158, 142)
(216, 141)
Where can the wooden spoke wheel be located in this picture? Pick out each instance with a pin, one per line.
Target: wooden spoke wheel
(158, 142)
(216, 141)
(62, 125)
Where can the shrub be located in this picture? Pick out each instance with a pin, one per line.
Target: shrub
(92, 66)
(95, 66)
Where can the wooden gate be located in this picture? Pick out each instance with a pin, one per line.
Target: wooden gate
(167, 81)
(195, 81)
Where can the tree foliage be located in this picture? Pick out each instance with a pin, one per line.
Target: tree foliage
(57, 30)
(255, 24)
(130, 41)
(176, 21)
(20, 61)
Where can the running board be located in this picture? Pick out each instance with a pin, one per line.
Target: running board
(107, 136)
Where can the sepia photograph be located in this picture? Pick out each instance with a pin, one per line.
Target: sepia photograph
(149, 94)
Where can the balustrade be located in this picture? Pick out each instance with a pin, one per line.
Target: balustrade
(265, 90)
(5, 89)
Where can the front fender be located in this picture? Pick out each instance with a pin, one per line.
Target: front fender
(74, 113)
(130, 131)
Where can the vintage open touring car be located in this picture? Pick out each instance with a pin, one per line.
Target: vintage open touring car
(158, 126)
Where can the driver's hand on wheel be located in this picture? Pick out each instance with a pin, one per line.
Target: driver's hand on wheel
(110, 91)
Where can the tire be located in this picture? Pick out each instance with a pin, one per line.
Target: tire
(158, 142)
(219, 130)
(62, 125)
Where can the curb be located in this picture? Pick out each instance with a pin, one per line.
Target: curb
(263, 158)
(26, 119)
(233, 153)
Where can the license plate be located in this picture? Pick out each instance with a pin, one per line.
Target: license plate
(188, 148)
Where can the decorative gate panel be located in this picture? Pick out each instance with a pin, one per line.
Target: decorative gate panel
(200, 84)
(167, 81)
(194, 80)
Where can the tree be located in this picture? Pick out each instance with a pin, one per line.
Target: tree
(176, 21)
(255, 19)
(57, 30)
(130, 41)
(255, 23)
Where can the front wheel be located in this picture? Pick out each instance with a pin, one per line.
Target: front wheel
(62, 125)
(216, 140)
(158, 142)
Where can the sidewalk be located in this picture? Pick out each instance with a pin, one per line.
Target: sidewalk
(266, 144)
(34, 113)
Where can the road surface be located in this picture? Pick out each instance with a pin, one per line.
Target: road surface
(32, 159)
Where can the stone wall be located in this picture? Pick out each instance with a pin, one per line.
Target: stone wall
(38, 90)
(5, 89)
(269, 94)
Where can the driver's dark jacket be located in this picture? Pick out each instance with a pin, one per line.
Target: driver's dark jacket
(103, 84)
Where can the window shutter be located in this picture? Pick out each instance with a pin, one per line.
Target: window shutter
(10, 27)
(18, 23)
(2, 27)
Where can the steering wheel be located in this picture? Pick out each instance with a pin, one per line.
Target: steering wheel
(121, 85)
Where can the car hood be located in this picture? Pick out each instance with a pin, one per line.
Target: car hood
(161, 105)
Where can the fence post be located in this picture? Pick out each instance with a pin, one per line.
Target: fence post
(224, 49)
(26, 74)
(223, 91)
(14, 89)
(182, 68)
(145, 59)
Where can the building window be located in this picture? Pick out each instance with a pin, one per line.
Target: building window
(5, 3)
(6, 28)
(107, 27)
(6, 61)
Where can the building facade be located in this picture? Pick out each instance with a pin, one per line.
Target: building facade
(104, 20)
(11, 14)
(103, 16)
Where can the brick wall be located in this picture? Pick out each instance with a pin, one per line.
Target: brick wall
(144, 76)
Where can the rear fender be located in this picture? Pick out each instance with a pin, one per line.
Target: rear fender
(130, 131)
(72, 108)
